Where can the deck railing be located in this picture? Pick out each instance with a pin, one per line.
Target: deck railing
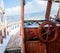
(9, 28)
(12, 26)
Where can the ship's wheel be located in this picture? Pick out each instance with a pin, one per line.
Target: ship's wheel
(47, 31)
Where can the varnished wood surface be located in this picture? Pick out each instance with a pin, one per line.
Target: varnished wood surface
(48, 10)
(37, 46)
(34, 47)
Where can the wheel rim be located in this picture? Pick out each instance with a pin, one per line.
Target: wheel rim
(47, 31)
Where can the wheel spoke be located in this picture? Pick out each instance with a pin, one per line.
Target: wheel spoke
(44, 33)
(47, 37)
(49, 27)
(52, 30)
(48, 31)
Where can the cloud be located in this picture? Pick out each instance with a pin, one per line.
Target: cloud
(30, 7)
(35, 6)
(40, 2)
(13, 10)
(55, 6)
(54, 9)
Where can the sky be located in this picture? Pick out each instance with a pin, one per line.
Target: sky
(13, 7)
(11, 3)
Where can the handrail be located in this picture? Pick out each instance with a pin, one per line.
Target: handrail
(6, 40)
(8, 25)
(13, 23)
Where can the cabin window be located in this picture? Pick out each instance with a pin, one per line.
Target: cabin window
(35, 10)
(54, 9)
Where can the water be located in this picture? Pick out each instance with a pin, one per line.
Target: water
(38, 15)
(18, 17)
(13, 18)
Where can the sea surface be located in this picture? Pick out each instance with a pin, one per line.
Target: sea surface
(32, 16)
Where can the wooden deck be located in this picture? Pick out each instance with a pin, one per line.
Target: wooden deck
(15, 41)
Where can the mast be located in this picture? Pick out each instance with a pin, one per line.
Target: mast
(2, 19)
(22, 26)
(48, 10)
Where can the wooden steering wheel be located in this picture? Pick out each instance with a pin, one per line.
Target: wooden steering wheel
(47, 31)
